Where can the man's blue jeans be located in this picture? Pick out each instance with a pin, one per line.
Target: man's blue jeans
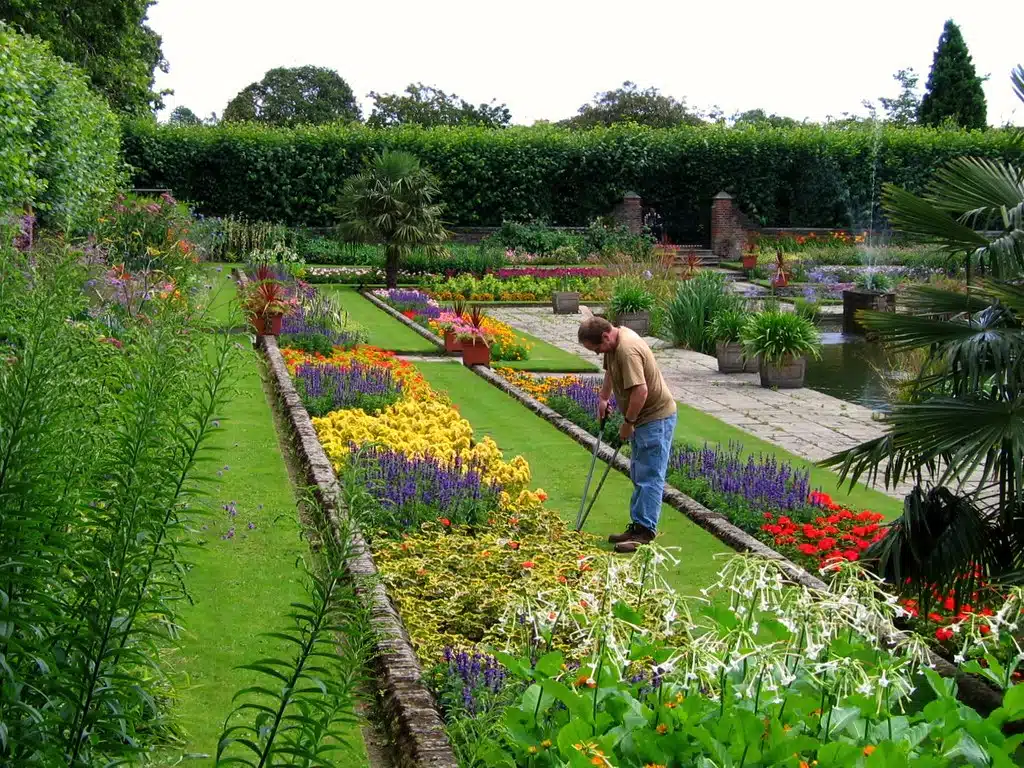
(648, 463)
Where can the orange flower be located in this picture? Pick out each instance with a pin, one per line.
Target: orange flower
(869, 749)
(485, 553)
(513, 545)
(663, 729)
(445, 521)
(528, 564)
(541, 495)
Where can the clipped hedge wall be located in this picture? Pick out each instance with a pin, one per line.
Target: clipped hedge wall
(59, 141)
(807, 176)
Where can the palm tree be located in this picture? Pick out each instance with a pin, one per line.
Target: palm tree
(392, 202)
(960, 436)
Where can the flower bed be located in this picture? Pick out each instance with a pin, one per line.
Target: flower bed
(504, 343)
(507, 285)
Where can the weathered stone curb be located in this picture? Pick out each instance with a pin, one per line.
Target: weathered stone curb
(409, 709)
(433, 338)
(972, 690)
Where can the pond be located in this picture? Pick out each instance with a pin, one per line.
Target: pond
(852, 369)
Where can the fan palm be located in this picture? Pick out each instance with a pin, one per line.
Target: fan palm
(392, 202)
(963, 427)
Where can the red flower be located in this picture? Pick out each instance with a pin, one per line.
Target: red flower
(935, 617)
(984, 629)
(943, 634)
(808, 549)
(409, 314)
(949, 604)
(513, 545)
(445, 521)
(528, 564)
(826, 544)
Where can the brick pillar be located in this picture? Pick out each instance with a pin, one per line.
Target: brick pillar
(727, 233)
(630, 212)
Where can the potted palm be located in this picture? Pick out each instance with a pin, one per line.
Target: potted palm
(564, 301)
(631, 305)
(782, 341)
(266, 305)
(476, 347)
(727, 330)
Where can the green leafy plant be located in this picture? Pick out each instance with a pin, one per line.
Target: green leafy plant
(778, 335)
(393, 202)
(630, 295)
(808, 308)
(696, 303)
(727, 325)
(875, 282)
(310, 343)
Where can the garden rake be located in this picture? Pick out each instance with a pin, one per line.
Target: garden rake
(581, 516)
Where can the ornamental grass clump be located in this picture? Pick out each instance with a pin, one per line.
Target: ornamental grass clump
(777, 336)
(696, 303)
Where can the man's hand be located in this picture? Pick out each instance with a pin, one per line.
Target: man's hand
(602, 408)
(626, 431)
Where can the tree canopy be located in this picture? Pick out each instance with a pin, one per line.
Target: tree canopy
(629, 104)
(108, 39)
(903, 109)
(953, 92)
(294, 96)
(429, 106)
(183, 116)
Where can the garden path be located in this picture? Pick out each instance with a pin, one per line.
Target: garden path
(805, 422)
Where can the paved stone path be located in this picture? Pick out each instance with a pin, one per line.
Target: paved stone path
(805, 422)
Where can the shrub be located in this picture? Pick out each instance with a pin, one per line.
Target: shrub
(696, 303)
(774, 335)
(309, 343)
(631, 295)
(727, 325)
(806, 176)
(872, 280)
(59, 148)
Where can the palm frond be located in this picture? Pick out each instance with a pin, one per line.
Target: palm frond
(921, 219)
(931, 300)
(977, 190)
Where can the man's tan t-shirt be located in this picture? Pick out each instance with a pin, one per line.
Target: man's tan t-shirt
(631, 364)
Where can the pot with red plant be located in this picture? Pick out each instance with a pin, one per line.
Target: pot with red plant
(452, 345)
(266, 303)
(781, 277)
(750, 259)
(476, 347)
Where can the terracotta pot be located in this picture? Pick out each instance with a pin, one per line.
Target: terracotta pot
(267, 325)
(640, 322)
(451, 342)
(780, 281)
(788, 373)
(855, 300)
(730, 357)
(476, 353)
(565, 302)
(749, 262)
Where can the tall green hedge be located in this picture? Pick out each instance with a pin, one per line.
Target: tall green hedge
(59, 141)
(806, 176)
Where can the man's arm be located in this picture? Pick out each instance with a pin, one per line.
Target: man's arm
(637, 398)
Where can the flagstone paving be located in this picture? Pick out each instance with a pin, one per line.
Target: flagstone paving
(805, 422)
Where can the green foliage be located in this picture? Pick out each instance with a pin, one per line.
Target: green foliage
(183, 116)
(953, 92)
(903, 109)
(109, 41)
(310, 343)
(631, 294)
(808, 308)
(581, 417)
(393, 202)
(874, 281)
(727, 325)
(804, 176)
(146, 233)
(774, 335)
(102, 443)
(59, 145)
(629, 104)
(428, 106)
(294, 96)
(696, 304)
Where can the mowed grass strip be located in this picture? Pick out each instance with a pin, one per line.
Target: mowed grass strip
(246, 571)
(382, 330)
(559, 466)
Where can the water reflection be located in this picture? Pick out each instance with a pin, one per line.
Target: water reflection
(851, 369)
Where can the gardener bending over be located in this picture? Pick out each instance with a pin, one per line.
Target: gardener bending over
(631, 372)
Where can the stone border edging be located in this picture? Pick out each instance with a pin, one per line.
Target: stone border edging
(409, 710)
(972, 690)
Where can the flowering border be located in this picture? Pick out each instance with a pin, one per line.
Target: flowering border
(409, 710)
(433, 338)
(972, 689)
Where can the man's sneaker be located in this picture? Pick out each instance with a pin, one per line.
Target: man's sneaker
(634, 533)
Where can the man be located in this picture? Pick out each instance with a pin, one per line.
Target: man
(649, 411)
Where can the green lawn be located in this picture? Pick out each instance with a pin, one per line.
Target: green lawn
(221, 302)
(560, 465)
(240, 586)
(696, 427)
(383, 330)
(547, 358)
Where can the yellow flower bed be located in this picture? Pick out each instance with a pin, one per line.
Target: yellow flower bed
(536, 386)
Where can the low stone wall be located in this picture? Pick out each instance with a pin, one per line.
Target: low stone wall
(408, 707)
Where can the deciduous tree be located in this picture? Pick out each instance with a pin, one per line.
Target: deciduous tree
(295, 96)
(428, 106)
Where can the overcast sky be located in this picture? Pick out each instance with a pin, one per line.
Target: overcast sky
(544, 58)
